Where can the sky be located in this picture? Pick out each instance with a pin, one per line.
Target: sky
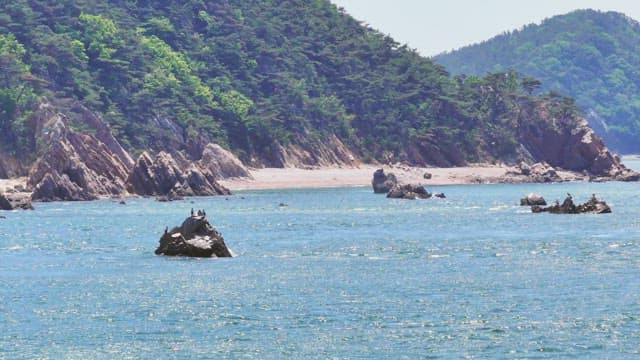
(435, 26)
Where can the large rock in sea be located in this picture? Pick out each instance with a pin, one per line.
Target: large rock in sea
(196, 237)
(533, 199)
(593, 206)
(163, 176)
(382, 183)
(73, 166)
(409, 192)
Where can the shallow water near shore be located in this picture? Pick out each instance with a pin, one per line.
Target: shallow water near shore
(338, 273)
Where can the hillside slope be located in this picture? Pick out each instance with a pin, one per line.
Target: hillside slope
(279, 82)
(589, 55)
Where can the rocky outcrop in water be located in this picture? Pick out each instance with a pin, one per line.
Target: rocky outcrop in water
(196, 237)
(593, 206)
(15, 200)
(382, 183)
(533, 199)
(410, 192)
(163, 176)
(73, 166)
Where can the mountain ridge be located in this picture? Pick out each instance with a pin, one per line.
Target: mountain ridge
(587, 54)
(279, 82)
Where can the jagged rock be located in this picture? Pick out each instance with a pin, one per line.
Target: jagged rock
(569, 144)
(74, 166)
(196, 237)
(427, 176)
(56, 187)
(408, 192)
(222, 163)
(163, 176)
(593, 206)
(440, 195)
(382, 183)
(533, 199)
(15, 200)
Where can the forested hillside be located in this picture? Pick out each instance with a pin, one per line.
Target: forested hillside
(590, 55)
(257, 76)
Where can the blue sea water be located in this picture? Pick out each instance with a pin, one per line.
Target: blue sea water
(338, 273)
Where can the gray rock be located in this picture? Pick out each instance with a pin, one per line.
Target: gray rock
(593, 206)
(15, 201)
(408, 192)
(533, 199)
(382, 183)
(196, 237)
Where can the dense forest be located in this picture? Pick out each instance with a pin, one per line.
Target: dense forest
(590, 55)
(253, 76)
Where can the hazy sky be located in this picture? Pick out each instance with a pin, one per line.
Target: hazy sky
(434, 26)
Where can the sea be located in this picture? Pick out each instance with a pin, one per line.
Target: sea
(332, 274)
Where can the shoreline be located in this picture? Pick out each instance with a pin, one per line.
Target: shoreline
(333, 177)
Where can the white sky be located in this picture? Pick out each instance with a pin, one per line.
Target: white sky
(435, 26)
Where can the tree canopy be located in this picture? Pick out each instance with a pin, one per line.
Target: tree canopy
(251, 75)
(587, 54)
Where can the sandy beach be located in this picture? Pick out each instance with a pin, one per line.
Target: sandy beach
(294, 178)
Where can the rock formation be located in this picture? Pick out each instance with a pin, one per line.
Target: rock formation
(409, 192)
(569, 144)
(196, 237)
(13, 200)
(533, 199)
(593, 206)
(73, 166)
(163, 176)
(222, 163)
(382, 183)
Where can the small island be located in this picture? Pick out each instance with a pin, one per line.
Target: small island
(196, 237)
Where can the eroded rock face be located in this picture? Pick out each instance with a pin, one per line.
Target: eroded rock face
(74, 166)
(410, 192)
(196, 237)
(382, 183)
(593, 206)
(222, 163)
(163, 176)
(533, 199)
(570, 144)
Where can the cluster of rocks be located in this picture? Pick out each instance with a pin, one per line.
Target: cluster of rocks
(593, 206)
(540, 172)
(78, 166)
(196, 237)
(388, 184)
(165, 178)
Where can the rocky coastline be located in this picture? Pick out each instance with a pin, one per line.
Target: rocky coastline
(82, 166)
(88, 165)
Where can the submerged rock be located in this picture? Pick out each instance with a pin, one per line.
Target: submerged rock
(196, 237)
(409, 192)
(593, 206)
(382, 183)
(533, 199)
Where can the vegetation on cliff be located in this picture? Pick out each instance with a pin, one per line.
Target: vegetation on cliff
(587, 54)
(255, 76)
